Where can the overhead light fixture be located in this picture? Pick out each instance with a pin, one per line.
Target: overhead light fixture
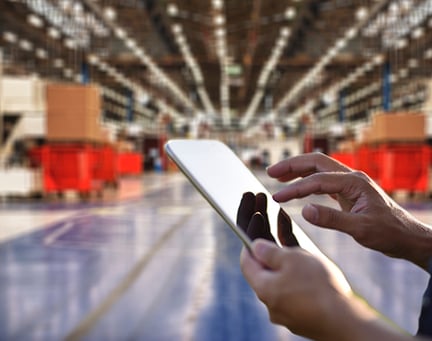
(217, 4)
(177, 29)
(428, 54)
(58, 63)
(413, 63)
(401, 43)
(26, 45)
(110, 13)
(65, 5)
(70, 43)
(53, 33)
(361, 13)
(172, 10)
(290, 13)
(77, 8)
(220, 32)
(93, 59)
(67, 73)
(219, 19)
(418, 33)
(120, 33)
(130, 43)
(35, 21)
(285, 32)
(41, 53)
(10, 37)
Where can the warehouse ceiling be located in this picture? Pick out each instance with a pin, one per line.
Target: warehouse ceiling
(232, 62)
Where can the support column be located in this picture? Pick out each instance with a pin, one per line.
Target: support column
(130, 106)
(85, 73)
(341, 100)
(386, 95)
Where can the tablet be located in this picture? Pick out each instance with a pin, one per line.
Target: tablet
(222, 178)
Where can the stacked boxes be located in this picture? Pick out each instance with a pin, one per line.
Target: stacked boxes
(73, 113)
(398, 127)
(394, 151)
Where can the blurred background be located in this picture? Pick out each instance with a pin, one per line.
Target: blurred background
(98, 236)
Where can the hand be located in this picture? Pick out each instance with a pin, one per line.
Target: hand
(303, 294)
(369, 215)
(253, 219)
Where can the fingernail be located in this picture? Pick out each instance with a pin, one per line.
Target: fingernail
(310, 212)
(261, 248)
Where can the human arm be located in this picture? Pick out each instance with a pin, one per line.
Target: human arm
(369, 215)
(302, 294)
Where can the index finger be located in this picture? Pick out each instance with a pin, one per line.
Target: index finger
(305, 165)
(322, 183)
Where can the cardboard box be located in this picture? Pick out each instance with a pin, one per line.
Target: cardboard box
(64, 98)
(398, 127)
(73, 112)
(73, 128)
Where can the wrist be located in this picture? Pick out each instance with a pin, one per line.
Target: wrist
(419, 248)
(356, 321)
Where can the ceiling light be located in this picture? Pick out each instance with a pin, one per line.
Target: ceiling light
(417, 33)
(378, 59)
(428, 54)
(341, 44)
(401, 43)
(35, 21)
(41, 53)
(67, 73)
(219, 20)
(285, 32)
(403, 73)
(290, 13)
(172, 10)
(406, 4)
(93, 59)
(177, 28)
(70, 43)
(181, 40)
(413, 63)
(361, 13)
(351, 33)
(65, 5)
(220, 32)
(10, 37)
(26, 45)
(58, 63)
(217, 4)
(77, 8)
(53, 33)
(130, 43)
(120, 33)
(110, 13)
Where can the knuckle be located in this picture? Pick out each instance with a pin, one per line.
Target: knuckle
(360, 174)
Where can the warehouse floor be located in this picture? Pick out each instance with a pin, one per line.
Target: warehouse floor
(154, 262)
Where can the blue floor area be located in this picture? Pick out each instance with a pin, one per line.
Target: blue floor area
(164, 267)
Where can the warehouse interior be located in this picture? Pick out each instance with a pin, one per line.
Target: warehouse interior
(101, 235)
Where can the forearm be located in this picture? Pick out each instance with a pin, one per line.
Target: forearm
(358, 322)
(418, 242)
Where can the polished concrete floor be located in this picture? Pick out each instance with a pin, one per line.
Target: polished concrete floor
(154, 262)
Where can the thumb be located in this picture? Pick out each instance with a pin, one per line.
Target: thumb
(328, 217)
(268, 254)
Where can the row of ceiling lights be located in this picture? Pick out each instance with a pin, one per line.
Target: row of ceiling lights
(193, 66)
(269, 66)
(74, 9)
(363, 16)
